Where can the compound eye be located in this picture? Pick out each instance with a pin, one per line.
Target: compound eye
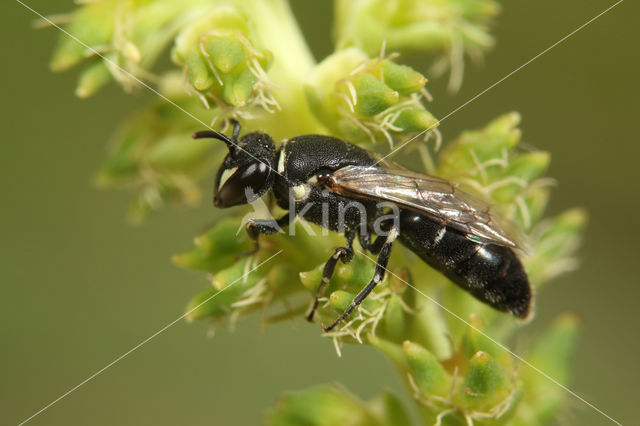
(240, 185)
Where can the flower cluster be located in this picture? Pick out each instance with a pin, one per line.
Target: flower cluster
(360, 98)
(448, 29)
(222, 63)
(247, 60)
(448, 347)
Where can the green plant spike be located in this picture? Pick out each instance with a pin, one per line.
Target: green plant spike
(248, 60)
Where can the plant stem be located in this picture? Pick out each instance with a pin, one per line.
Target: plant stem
(277, 28)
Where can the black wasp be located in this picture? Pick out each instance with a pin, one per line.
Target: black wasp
(318, 177)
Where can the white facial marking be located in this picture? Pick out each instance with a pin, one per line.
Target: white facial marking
(226, 174)
(301, 191)
(313, 179)
(281, 159)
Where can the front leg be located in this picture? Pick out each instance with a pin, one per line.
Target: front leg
(345, 254)
(255, 227)
(378, 275)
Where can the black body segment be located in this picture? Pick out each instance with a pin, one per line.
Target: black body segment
(306, 155)
(490, 272)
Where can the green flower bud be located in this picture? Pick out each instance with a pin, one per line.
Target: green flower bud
(415, 119)
(199, 74)
(217, 20)
(178, 152)
(228, 286)
(216, 248)
(395, 323)
(449, 28)
(430, 326)
(130, 34)
(122, 163)
(238, 273)
(209, 303)
(223, 60)
(474, 152)
(196, 258)
(523, 168)
(428, 374)
(238, 88)
(536, 198)
(311, 279)
(321, 406)
(373, 96)
(390, 409)
(403, 79)
(226, 53)
(283, 279)
(485, 384)
(556, 236)
(555, 242)
(356, 273)
(485, 163)
(153, 152)
(340, 300)
(93, 24)
(222, 238)
(350, 277)
(92, 79)
(476, 340)
(356, 97)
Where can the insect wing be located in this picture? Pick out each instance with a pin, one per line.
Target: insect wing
(434, 197)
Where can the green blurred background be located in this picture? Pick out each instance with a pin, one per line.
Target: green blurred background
(80, 286)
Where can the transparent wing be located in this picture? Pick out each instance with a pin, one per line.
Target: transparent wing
(433, 197)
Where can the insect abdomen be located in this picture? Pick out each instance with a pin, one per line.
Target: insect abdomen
(491, 273)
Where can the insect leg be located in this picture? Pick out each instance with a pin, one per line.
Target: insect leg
(255, 227)
(373, 246)
(344, 254)
(236, 130)
(378, 275)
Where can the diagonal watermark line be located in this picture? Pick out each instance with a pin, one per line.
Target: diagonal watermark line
(516, 356)
(141, 82)
(124, 355)
(501, 80)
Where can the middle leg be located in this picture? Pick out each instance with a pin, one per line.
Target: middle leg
(344, 254)
(378, 275)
